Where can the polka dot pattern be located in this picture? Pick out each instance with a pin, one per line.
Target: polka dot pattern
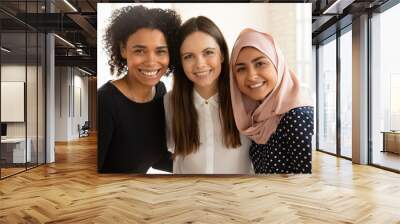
(288, 150)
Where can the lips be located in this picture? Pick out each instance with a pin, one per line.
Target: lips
(202, 73)
(256, 85)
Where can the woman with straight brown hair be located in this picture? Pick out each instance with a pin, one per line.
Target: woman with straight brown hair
(201, 130)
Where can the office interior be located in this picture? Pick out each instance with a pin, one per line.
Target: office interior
(48, 82)
(48, 79)
(48, 89)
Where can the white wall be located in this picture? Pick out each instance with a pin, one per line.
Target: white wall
(80, 84)
(70, 83)
(61, 103)
(290, 24)
(12, 73)
(33, 127)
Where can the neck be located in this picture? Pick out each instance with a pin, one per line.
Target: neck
(138, 91)
(206, 92)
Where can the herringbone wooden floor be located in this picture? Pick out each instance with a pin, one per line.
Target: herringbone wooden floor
(71, 191)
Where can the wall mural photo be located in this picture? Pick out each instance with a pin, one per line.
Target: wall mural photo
(197, 89)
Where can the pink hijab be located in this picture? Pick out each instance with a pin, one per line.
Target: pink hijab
(259, 121)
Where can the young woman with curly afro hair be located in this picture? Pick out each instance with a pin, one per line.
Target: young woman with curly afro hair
(131, 122)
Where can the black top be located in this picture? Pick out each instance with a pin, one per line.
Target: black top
(131, 136)
(288, 150)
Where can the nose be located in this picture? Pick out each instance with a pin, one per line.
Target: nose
(251, 74)
(151, 58)
(200, 62)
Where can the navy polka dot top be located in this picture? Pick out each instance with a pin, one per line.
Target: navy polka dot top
(288, 150)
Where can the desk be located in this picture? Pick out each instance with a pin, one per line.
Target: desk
(391, 141)
(15, 148)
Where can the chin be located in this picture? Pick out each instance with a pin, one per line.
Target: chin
(201, 83)
(257, 98)
(204, 85)
(151, 83)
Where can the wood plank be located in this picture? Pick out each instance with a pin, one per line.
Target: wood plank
(71, 191)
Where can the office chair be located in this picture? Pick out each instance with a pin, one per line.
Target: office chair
(84, 130)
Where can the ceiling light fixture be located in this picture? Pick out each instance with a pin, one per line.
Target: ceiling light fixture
(84, 71)
(64, 40)
(5, 50)
(70, 5)
(337, 7)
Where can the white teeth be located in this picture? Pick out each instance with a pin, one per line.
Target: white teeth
(256, 85)
(202, 73)
(149, 73)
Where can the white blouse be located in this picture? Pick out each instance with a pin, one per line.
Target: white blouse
(212, 156)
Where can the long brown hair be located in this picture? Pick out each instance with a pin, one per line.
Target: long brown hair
(185, 128)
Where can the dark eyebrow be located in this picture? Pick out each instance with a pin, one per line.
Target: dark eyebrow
(209, 48)
(252, 61)
(185, 53)
(239, 64)
(256, 59)
(138, 46)
(142, 47)
(161, 47)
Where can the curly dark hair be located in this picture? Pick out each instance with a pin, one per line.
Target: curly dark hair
(128, 20)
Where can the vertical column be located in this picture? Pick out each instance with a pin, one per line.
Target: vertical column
(338, 98)
(360, 90)
(92, 103)
(50, 92)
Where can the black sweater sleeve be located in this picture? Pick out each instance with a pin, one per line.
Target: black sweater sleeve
(165, 163)
(105, 127)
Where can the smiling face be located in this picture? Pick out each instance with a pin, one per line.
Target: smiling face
(201, 60)
(147, 56)
(255, 74)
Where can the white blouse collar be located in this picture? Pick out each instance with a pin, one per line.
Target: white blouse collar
(199, 100)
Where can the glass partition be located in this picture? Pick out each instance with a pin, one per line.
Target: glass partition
(22, 90)
(13, 95)
(327, 96)
(346, 94)
(385, 89)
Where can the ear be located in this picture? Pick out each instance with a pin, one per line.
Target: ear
(222, 58)
(122, 50)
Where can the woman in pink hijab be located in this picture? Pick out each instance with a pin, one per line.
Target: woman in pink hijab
(268, 106)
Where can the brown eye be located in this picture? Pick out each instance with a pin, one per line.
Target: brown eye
(209, 52)
(260, 64)
(138, 51)
(240, 69)
(162, 52)
(187, 56)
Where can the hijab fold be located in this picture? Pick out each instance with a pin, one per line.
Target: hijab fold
(259, 120)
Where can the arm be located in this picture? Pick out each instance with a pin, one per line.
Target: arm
(299, 141)
(165, 163)
(105, 129)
